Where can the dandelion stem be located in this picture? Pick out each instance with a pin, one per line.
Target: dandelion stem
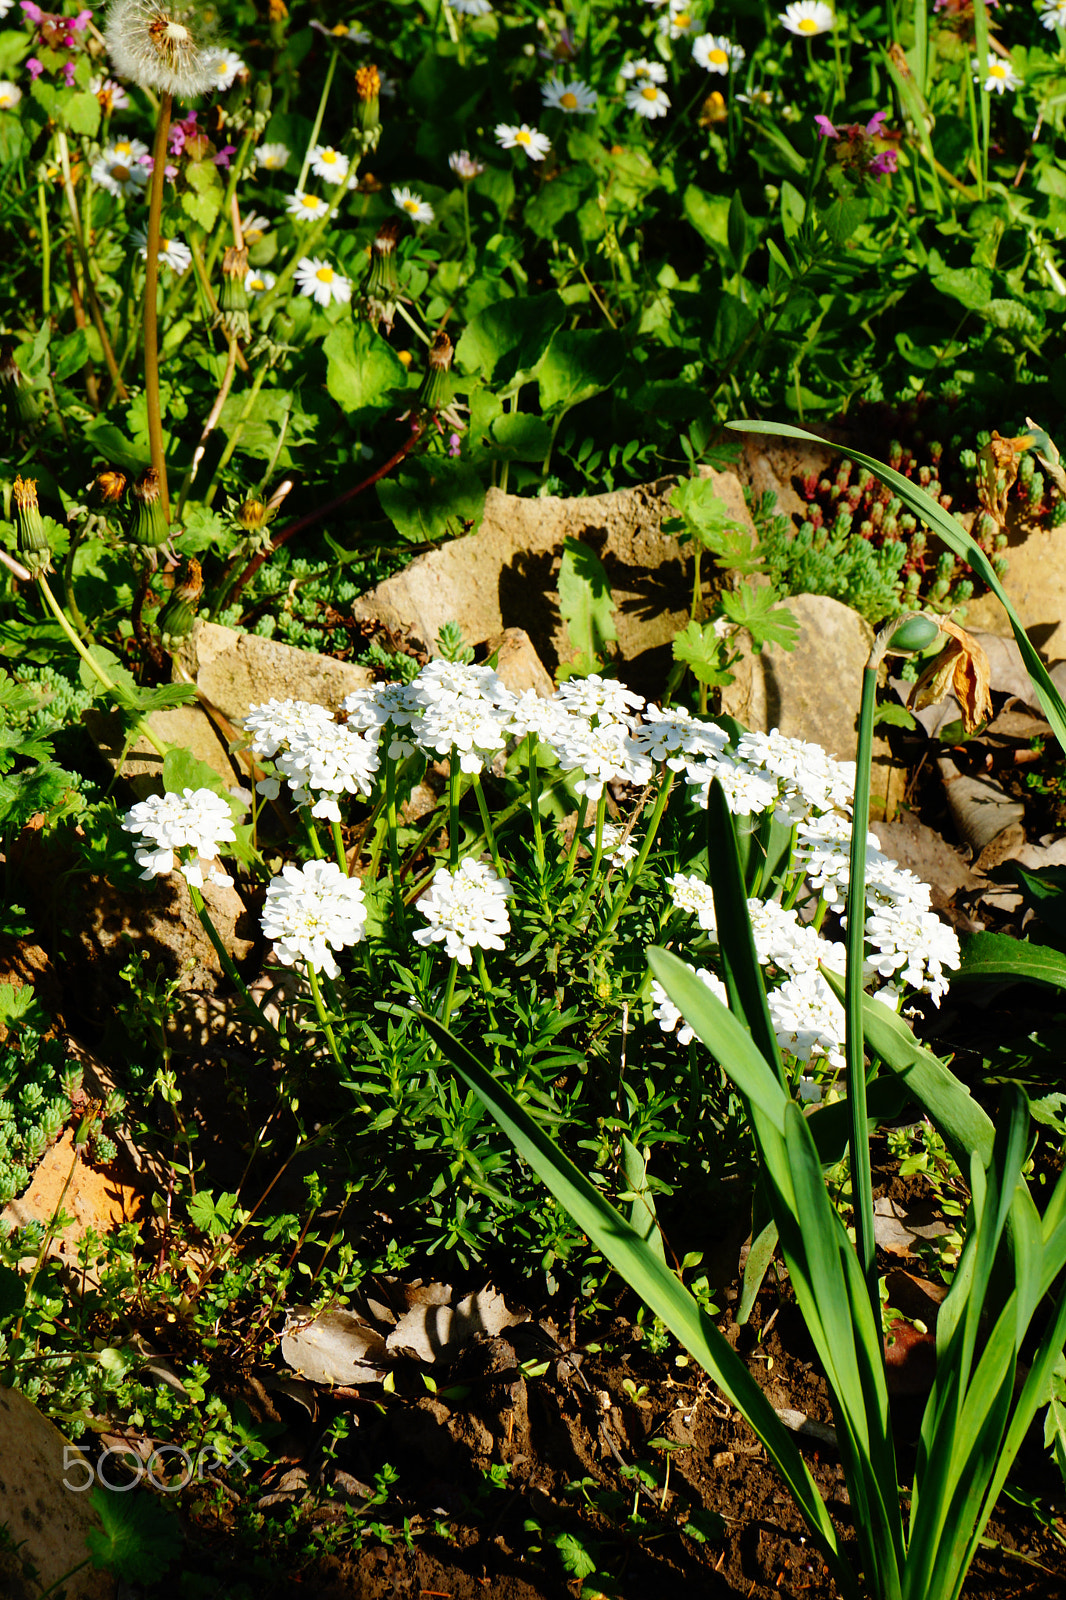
(83, 255)
(210, 423)
(151, 301)
(317, 128)
(327, 1026)
(235, 171)
(94, 666)
(235, 434)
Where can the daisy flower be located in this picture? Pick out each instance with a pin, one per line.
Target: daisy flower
(272, 157)
(226, 66)
(467, 167)
(413, 205)
(254, 227)
(647, 100)
(471, 8)
(172, 253)
(575, 98)
(305, 207)
(1053, 13)
(319, 280)
(715, 53)
(647, 71)
(10, 95)
(118, 169)
(257, 282)
(536, 145)
(679, 22)
(329, 163)
(807, 18)
(997, 76)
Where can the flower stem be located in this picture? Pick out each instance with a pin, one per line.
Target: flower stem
(225, 961)
(597, 855)
(338, 845)
(317, 127)
(94, 666)
(483, 974)
(391, 824)
(46, 251)
(327, 1026)
(453, 809)
(576, 840)
(449, 994)
(486, 823)
(638, 866)
(90, 288)
(534, 801)
(151, 301)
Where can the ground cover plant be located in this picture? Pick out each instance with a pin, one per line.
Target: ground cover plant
(286, 291)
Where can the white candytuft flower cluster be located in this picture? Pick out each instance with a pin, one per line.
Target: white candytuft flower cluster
(668, 1016)
(193, 824)
(466, 910)
(318, 757)
(692, 894)
(159, 47)
(311, 910)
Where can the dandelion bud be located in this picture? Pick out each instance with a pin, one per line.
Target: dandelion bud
(368, 106)
(111, 485)
(33, 546)
(252, 515)
(234, 300)
(148, 528)
(382, 291)
(27, 402)
(159, 47)
(178, 615)
(436, 389)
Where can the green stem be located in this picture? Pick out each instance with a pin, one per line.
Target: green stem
(235, 434)
(46, 251)
(449, 994)
(225, 960)
(391, 824)
(83, 255)
(486, 823)
(94, 666)
(597, 855)
(453, 809)
(483, 974)
(231, 189)
(571, 855)
(327, 1026)
(534, 802)
(320, 113)
(312, 835)
(338, 845)
(645, 850)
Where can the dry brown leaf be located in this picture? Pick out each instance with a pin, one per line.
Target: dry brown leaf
(961, 667)
(997, 468)
(334, 1347)
(437, 1332)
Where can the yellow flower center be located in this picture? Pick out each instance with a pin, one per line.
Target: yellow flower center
(324, 274)
(310, 201)
(257, 285)
(996, 69)
(650, 92)
(120, 173)
(124, 148)
(329, 157)
(411, 205)
(808, 25)
(405, 357)
(682, 20)
(569, 100)
(717, 56)
(521, 137)
(340, 30)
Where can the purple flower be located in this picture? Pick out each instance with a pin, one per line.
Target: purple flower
(454, 444)
(222, 159)
(34, 12)
(875, 128)
(885, 161)
(68, 74)
(825, 128)
(34, 68)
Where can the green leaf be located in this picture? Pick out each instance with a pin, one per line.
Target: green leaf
(577, 366)
(138, 1538)
(709, 215)
(585, 601)
(70, 354)
(652, 1281)
(993, 956)
(506, 341)
(734, 323)
(960, 542)
(183, 770)
(434, 496)
(642, 1217)
(203, 209)
(362, 368)
(842, 218)
(757, 610)
(12, 1293)
(971, 286)
(518, 436)
(81, 114)
(895, 716)
(574, 1557)
(700, 649)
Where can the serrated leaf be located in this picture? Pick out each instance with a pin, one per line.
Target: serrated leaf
(700, 649)
(574, 1557)
(757, 611)
(585, 600)
(203, 209)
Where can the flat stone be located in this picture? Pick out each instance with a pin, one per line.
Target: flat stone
(927, 854)
(47, 1520)
(813, 691)
(770, 465)
(238, 670)
(184, 727)
(518, 665)
(1036, 583)
(505, 575)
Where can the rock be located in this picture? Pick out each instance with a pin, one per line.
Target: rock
(97, 1199)
(1036, 583)
(185, 727)
(504, 575)
(770, 465)
(237, 670)
(162, 920)
(811, 692)
(47, 1521)
(518, 665)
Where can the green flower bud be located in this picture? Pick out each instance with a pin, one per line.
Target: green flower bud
(436, 388)
(233, 303)
(178, 615)
(917, 633)
(149, 528)
(33, 546)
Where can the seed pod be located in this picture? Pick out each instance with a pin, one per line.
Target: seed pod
(382, 291)
(917, 633)
(33, 546)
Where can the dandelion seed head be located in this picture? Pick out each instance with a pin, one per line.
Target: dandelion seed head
(159, 47)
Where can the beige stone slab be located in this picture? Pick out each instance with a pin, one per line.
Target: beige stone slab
(238, 670)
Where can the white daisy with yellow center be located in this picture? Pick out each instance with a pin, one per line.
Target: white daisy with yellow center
(535, 144)
(997, 75)
(305, 207)
(647, 100)
(329, 163)
(806, 18)
(172, 252)
(316, 278)
(10, 95)
(574, 99)
(256, 282)
(680, 21)
(272, 157)
(644, 71)
(715, 53)
(412, 205)
(119, 168)
(226, 66)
